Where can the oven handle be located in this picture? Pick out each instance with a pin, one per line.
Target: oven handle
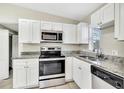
(51, 59)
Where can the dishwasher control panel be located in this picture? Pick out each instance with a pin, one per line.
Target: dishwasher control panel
(114, 80)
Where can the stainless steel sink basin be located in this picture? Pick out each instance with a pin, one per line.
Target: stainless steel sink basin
(90, 58)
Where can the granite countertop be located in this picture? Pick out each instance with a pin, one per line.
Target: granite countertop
(108, 65)
(26, 57)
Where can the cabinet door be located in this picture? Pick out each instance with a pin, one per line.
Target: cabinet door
(25, 34)
(96, 18)
(19, 74)
(69, 34)
(77, 72)
(86, 75)
(68, 68)
(36, 35)
(82, 33)
(121, 26)
(108, 13)
(81, 73)
(46, 25)
(4, 54)
(32, 72)
(57, 26)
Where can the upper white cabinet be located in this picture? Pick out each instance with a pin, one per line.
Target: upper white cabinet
(25, 73)
(57, 26)
(103, 15)
(45, 25)
(96, 18)
(82, 74)
(119, 21)
(82, 33)
(75, 34)
(108, 13)
(68, 69)
(69, 33)
(29, 31)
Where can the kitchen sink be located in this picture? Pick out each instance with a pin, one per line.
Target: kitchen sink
(90, 58)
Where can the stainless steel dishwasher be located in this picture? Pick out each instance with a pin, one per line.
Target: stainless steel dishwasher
(102, 79)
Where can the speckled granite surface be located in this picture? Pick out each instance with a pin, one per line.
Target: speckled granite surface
(112, 64)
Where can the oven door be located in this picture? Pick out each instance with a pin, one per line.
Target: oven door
(51, 67)
(50, 36)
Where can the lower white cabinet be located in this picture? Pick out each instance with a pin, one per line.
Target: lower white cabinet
(82, 74)
(25, 73)
(68, 69)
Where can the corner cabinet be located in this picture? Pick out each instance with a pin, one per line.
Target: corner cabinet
(69, 34)
(25, 73)
(29, 31)
(82, 74)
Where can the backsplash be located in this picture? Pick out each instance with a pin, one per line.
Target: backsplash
(36, 47)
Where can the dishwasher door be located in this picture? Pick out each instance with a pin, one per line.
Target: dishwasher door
(98, 83)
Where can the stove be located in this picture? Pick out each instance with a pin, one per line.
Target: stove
(51, 67)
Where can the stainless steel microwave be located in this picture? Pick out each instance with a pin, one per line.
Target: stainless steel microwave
(51, 37)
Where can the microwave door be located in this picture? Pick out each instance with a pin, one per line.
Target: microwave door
(49, 36)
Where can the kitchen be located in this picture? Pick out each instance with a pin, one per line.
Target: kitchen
(52, 50)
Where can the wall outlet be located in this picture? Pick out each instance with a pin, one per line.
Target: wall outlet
(115, 52)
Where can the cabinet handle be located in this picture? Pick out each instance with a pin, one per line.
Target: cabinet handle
(80, 68)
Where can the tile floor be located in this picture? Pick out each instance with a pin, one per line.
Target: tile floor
(7, 84)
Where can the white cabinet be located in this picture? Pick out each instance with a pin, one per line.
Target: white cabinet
(82, 33)
(4, 54)
(25, 73)
(103, 16)
(36, 34)
(69, 33)
(57, 26)
(108, 13)
(96, 18)
(45, 25)
(29, 31)
(82, 73)
(68, 69)
(119, 21)
(51, 26)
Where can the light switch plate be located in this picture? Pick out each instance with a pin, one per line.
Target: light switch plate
(115, 52)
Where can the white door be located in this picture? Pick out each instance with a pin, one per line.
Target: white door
(121, 26)
(25, 33)
(82, 33)
(45, 25)
(57, 26)
(86, 75)
(96, 18)
(4, 54)
(68, 68)
(108, 13)
(76, 72)
(36, 34)
(19, 74)
(69, 33)
(32, 72)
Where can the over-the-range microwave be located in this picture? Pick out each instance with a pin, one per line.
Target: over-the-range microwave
(51, 36)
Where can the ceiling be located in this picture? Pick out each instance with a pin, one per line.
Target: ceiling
(76, 11)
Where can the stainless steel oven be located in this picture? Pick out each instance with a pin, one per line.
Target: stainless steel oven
(51, 67)
(51, 36)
